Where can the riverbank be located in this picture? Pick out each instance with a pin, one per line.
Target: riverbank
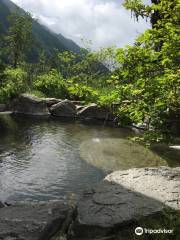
(30, 105)
(112, 209)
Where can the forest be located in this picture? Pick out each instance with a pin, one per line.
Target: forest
(142, 80)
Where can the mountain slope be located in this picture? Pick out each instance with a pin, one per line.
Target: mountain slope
(72, 46)
(44, 38)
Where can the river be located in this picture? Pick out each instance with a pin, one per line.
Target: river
(48, 159)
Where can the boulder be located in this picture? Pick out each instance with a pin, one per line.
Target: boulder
(2, 107)
(78, 102)
(63, 109)
(30, 105)
(51, 101)
(95, 112)
(1, 205)
(123, 198)
(32, 221)
(79, 107)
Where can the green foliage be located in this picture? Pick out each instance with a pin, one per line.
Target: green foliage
(13, 84)
(86, 65)
(80, 91)
(108, 96)
(64, 62)
(168, 219)
(51, 84)
(36, 93)
(148, 73)
(84, 74)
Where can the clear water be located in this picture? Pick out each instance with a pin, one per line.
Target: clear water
(48, 159)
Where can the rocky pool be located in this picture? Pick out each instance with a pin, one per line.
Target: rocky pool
(48, 159)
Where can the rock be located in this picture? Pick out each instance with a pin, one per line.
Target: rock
(96, 112)
(141, 126)
(2, 107)
(30, 105)
(177, 147)
(123, 198)
(161, 184)
(78, 102)
(1, 205)
(63, 109)
(79, 107)
(51, 101)
(6, 113)
(32, 221)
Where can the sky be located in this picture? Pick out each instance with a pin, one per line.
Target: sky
(102, 22)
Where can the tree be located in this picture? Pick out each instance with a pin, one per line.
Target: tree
(148, 75)
(19, 36)
(145, 11)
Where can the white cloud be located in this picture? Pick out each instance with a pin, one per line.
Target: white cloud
(104, 22)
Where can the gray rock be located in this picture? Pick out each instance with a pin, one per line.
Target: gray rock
(78, 102)
(32, 222)
(51, 101)
(125, 197)
(63, 109)
(96, 112)
(2, 107)
(79, 107)
(30, 105)
(1, 205)
(6, 113)
(141, 126)
(177, 147)
(160, 184)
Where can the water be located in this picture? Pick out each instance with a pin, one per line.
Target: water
(47, 159)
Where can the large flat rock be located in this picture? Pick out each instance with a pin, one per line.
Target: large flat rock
(32, 221)
(160, 184)
(125, 197)
(29, 105)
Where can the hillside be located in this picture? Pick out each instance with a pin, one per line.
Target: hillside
(44, 38)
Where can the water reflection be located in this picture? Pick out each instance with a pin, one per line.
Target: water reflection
(45, 159)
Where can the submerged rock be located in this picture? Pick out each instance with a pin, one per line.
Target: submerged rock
(96, 112)
(32, 222)
(30, 105)
(63, 109)
(118, 154)
(123, 198)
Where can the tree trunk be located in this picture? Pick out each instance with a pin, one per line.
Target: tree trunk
(156, 15)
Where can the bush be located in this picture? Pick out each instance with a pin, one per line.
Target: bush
(52, 84)
(81, 91)
(13, 84)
